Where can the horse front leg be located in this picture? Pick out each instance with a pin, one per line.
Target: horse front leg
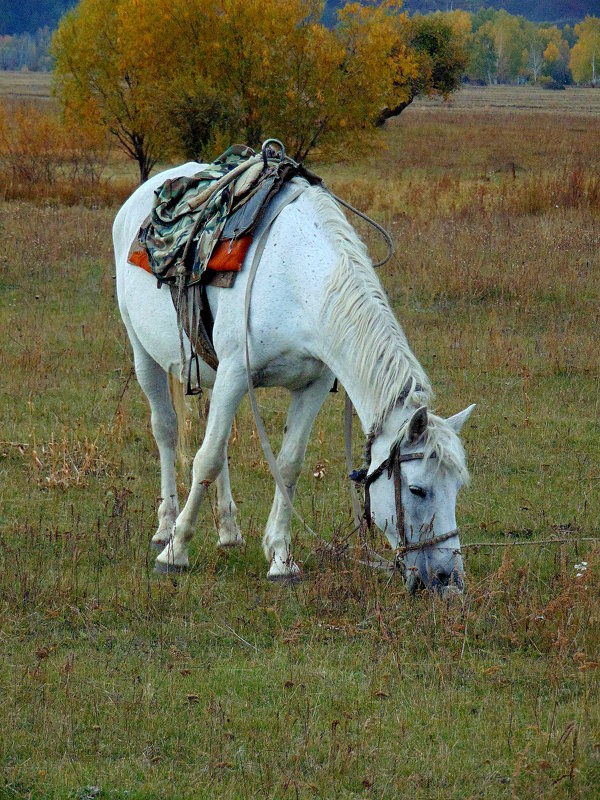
(304, 407)
(209, 462)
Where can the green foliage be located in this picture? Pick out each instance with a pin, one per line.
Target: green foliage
(509, 49)
(585, 56)
(442, 58)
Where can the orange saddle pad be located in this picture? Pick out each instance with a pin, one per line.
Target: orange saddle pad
(228, 256)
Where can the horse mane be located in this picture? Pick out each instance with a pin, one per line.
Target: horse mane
(357, 315)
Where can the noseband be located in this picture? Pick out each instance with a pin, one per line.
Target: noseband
(393, 466)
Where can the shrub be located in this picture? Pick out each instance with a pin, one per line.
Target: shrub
(42, 156)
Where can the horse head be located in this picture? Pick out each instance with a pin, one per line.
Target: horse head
(410, 494)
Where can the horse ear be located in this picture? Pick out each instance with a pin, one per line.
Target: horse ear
(458, 420)
(417, 425)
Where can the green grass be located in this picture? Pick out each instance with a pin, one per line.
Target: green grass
(116, 684)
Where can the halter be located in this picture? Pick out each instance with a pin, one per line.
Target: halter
(393, 466)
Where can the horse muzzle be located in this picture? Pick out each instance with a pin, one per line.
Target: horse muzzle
(445, 584)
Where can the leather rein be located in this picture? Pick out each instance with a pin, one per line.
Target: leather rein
(392, 463)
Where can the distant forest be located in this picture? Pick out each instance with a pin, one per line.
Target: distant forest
(27, 16)
(548, 42)
(559, 12)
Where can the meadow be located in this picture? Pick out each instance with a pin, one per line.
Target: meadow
(117, 684)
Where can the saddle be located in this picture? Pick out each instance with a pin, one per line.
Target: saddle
(200, 229)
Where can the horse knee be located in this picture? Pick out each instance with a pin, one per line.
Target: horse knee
(207, 465)
(290, 467)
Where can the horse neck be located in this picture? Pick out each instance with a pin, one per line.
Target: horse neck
(365, 400)
(369, 354)
(355, 332)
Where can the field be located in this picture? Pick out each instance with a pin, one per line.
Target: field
(115, 684)
(25, 85)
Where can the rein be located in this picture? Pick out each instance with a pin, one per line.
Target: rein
(395, 459)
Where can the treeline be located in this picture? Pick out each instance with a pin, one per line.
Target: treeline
(503, 48)
(499, 47)
(559, 12)
(27, 51)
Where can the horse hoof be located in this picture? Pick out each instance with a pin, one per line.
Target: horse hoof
(169, 569)
(227, 547)
(286, 580)
(158, 545)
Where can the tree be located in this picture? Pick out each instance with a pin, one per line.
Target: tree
(585, 55)
(557, 58)
(509, 39)
(542, 47)
(99, 78)
(439, 61)
(484, 57)
(172, 77)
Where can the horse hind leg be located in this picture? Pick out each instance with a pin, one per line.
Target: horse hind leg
(154, 382)
(304, 407)
(228, 528)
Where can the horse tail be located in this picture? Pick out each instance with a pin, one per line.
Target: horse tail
(184, 421)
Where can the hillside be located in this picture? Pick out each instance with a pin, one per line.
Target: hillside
(556, 11)
(29, 15)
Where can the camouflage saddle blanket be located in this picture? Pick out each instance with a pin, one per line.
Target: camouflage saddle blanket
(205, 222)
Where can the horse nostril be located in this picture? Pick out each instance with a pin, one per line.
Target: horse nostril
(448, 580)
(442, 578)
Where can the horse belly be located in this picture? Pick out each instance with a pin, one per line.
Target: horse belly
(291, 370)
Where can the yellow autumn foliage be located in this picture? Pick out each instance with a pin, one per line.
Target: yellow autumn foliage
(179, 77)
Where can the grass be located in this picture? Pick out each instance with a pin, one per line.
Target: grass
(115, 684)
(25, 85)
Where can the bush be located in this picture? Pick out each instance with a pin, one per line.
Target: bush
(42, 156)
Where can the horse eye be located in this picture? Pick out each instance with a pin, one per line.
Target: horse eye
(418, 490)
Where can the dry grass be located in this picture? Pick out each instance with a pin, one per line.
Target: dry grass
(26, 85)
(505, 100)
(116, 684)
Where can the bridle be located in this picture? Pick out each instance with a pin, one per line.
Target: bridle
(393, 466)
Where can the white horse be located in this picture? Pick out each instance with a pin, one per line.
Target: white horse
(318, 311)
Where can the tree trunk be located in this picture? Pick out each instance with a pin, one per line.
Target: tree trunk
(144, 158)
(387, 113)
(143, 167)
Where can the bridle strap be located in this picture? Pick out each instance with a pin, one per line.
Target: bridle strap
(393, 466)
(397, 472)
(356, 512)
(411, 547)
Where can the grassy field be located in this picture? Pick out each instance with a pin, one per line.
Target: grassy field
(115, 684)
(25, 85)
